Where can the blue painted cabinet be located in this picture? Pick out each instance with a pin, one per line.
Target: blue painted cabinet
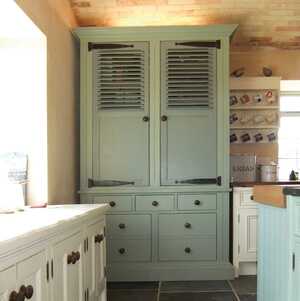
(279, 252)
(154, 145)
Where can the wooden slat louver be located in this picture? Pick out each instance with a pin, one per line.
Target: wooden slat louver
(189, 76)
(119, 77)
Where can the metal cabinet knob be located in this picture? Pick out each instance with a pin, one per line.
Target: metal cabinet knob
(187, 250)
(187, 225)
(122, 251)
(112, 204)
(155, 203)
(197, 203)
(122, 226)
(164, 118)
(146, 118)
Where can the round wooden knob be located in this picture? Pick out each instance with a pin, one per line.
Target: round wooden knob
(21, 294)
(29, 291)
(13, 296)
(187, 225)
(99, 238)
(197, 202)
(112, 204)
(187, 250)
(69, 258)
(122, 251)
(164, 118)
(251, 197)
(155, 203)
(77, 255)
(122, 226)
(146, 118)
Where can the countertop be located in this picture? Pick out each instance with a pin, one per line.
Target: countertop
(274, 195)
(38, 221)
(251, 184)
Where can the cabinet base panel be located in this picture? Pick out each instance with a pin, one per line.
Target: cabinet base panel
(133, 272)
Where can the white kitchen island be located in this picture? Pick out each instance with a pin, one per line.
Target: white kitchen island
(54, 253)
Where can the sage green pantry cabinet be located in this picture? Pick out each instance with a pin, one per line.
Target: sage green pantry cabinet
(154, 145)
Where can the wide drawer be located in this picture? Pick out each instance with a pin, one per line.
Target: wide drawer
(128, 225)
(187, 249)
(197, 201)
(187, 224)
(154, 202)
(129, 250)
(116, 202)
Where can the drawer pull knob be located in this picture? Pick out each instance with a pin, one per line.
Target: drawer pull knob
(28, 291)
(70, 258)
(122, 251)
(164, 118)
(13, 296)
(77, 255)
(197, 203)
(251, 197)
(187, 250)
(122, 226)
(146, 118)
(112, 204)
(155, 203)
(99, 238)
(188, 225)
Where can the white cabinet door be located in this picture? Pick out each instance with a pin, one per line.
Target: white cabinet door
(95, 262)
(32, 278)
(248, 234)
(7, 283)
(67, 276)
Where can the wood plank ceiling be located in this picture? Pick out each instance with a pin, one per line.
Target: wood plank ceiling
(263, 23)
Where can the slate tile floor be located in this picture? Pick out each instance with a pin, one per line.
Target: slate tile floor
(241, 289)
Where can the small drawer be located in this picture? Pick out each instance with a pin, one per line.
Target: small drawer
(197, 202)
(116, 202)
(187, 249)
(154, 202)
(129, 225)
(124, 250)
(202, 224)
(247, 199)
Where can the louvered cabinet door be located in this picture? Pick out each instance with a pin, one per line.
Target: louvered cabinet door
(121, 114)
(188, 113)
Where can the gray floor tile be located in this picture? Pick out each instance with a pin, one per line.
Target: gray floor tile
(248, 297)
(199, 286)
(133, 285)
(212, 296)
(132, 295)
(245, 285)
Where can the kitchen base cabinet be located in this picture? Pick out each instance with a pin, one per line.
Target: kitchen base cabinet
(64, 260)
(171, 236)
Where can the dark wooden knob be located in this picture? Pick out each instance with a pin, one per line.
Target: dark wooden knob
(72, 258)
(164, 118)
(13, 296)
(146, 118)
(122, 251)
(20, 296)
(77, 255)
(197, 202)
(187, 250)
(99, 238)
(251, 197)
(29, 291)
(69, 258)
(122, 226)
(187, 225)
(112, 204)
(155, 203)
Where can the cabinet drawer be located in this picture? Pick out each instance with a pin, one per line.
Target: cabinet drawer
(116, 202)
(129, 250)
(187, 224)
(154, 202)
(128, 225)
(197, 202)
(247, 199)
(187, 249)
